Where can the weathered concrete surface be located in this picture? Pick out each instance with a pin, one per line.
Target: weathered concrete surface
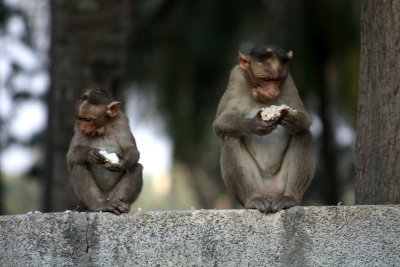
(301, 236)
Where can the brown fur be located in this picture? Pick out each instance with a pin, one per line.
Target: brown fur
(98, 185)
(266, 165)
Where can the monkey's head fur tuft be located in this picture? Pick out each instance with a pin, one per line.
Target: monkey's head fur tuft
(264, 52)
(96, 97)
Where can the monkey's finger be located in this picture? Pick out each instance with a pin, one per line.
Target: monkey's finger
(123, 208)
(99, 157)
(112, 167)
(91, 157)
(95, 160)
(96, 157)
(108, 166)
(99, 161)
(112, 209)
(272, 123)
(117, 168)
(282, 202)
(289, 117)
(120, 206)
(116, 211)
(119, 155)
(262, 204)
(285, 121)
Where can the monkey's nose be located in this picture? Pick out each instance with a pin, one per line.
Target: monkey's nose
(274, 93)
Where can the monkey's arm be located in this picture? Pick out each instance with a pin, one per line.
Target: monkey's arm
(80, 155)
(83, 155)
(78, 152)
(129, 154)
(231, 125)
(234, 125)
(129, 157)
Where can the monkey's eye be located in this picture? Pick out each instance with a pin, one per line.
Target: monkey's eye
(85, 119)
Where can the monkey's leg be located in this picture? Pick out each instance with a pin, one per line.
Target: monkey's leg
(87, 191)
(241, 175)
(298, 169)
(127, 190)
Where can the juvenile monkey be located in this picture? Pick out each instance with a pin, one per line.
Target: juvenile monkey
(101, 185)
(267, 165)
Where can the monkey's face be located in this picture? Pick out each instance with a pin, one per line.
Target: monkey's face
(267, 78)
(91, 119)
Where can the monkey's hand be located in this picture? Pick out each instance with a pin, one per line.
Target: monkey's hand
(116, 167)
(95, 157)
(128, 159)
(261, 127)
(112, 167)
(291, 122)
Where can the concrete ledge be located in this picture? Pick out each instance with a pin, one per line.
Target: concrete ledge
(301, 236)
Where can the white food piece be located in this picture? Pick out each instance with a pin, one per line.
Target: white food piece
(274, 112)
(110, 157)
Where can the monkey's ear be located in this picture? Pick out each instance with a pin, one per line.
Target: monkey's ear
(244, 61)
(290, 54)
(113, 108)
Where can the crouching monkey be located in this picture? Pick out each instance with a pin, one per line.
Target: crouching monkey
(267, 165)
(99, 182)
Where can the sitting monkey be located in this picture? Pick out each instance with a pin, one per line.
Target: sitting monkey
(99, 183)
(266, 164)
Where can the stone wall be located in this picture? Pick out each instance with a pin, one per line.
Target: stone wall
(301, 236)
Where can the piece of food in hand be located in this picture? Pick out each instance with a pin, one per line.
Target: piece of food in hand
(110, 157)
(273, 113)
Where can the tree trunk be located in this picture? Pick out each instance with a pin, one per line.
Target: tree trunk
(89, 48)
(378, 126)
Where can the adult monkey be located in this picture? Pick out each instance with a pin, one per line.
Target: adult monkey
(267, 165)
(99, 184)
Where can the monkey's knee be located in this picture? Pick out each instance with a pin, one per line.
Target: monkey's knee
(134, 183)
(137, 173)
(139, 167)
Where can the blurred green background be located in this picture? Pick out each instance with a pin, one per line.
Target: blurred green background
(179, 55)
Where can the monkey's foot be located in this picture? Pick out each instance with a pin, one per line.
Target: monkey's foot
(113, 205)
(282, 202)
(263, 204)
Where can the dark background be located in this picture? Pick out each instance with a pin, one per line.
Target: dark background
(169, 62)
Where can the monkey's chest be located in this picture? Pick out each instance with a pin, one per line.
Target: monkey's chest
(268, 151)
(105, 179)
(109, 144)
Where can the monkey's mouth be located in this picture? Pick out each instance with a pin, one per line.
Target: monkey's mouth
(93, 132)
(261, 95)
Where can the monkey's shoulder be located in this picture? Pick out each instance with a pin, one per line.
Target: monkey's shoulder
(237, 79)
